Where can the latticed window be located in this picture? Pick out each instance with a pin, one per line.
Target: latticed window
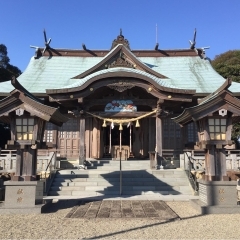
(171, 134)
(201, 129)
(61, 134)
(24, 128)
(49, 128)
(69, 129)
(217, 128)
(192, 133)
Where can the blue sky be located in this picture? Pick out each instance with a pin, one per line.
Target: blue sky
(97, 22)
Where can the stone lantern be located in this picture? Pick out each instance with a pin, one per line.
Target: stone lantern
(214, 133)
(27, 116)
(26, 137)
(214, 116)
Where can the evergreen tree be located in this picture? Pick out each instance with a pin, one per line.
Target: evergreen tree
(6, 69)
(228, 65)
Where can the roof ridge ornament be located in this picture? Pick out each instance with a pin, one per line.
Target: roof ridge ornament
(193, 42)
(39, 53)
(200, 51)
(47, 43)
(120, 40)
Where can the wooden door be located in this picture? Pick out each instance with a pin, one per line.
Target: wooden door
(68, 139)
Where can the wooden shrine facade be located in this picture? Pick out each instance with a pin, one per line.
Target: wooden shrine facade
(145, 128)
(137, 92)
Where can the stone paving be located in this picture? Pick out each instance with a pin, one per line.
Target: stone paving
(123, 209)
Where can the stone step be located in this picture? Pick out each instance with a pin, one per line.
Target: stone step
(124, 179)
(116, 168)
(143, 173)
(116, 192)
(117, 183)
(104, 179)
(116, 188)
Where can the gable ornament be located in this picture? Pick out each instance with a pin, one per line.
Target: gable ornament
(19, 112)
(120, 86)
(222, 112)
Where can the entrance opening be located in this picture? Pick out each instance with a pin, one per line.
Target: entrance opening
(114, 134)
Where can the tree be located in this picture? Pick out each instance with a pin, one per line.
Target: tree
(228, 65)
(7, 70)
(5, 134)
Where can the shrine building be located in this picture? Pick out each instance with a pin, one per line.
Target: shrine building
(103, 91)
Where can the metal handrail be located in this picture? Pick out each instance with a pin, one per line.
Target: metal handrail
(192, 178)
(54, 154)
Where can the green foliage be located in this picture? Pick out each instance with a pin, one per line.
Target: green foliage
(228, 65)
(4, 59)
(6, 70)
(236, 134)
(5, 134)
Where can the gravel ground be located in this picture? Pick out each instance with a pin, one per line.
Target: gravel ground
(54, 225)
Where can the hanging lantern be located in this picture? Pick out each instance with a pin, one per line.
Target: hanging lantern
(120, 126)
(137, 124)
(104, 123)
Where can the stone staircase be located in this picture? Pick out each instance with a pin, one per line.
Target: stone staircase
(103, 179)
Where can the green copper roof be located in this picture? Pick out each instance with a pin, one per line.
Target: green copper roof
(57, 72)
(188, 73)
(80, 82)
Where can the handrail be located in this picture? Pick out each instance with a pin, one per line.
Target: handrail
(192, 177)
(51, 173)
(54, 154)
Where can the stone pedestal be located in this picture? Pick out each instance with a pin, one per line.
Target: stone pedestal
(217, 197)
(22, 197)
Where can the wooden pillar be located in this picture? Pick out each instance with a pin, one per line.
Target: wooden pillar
(26, 164)
(82, 141)
(91, 137)
(159, 136)
(220, 161)
(95, 138)
(210, 163)
(99, 125)
(215, 164)
(87, 137)
(19, 159)
(152, 134)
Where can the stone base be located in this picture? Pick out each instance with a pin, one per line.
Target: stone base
(21, 197)
(37, 209)
(202, 208)
(217, 197)
(218, 193)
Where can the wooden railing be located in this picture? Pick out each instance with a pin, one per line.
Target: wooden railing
(46, 160)
(171, 153)
(197, 158)
(7, 160)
